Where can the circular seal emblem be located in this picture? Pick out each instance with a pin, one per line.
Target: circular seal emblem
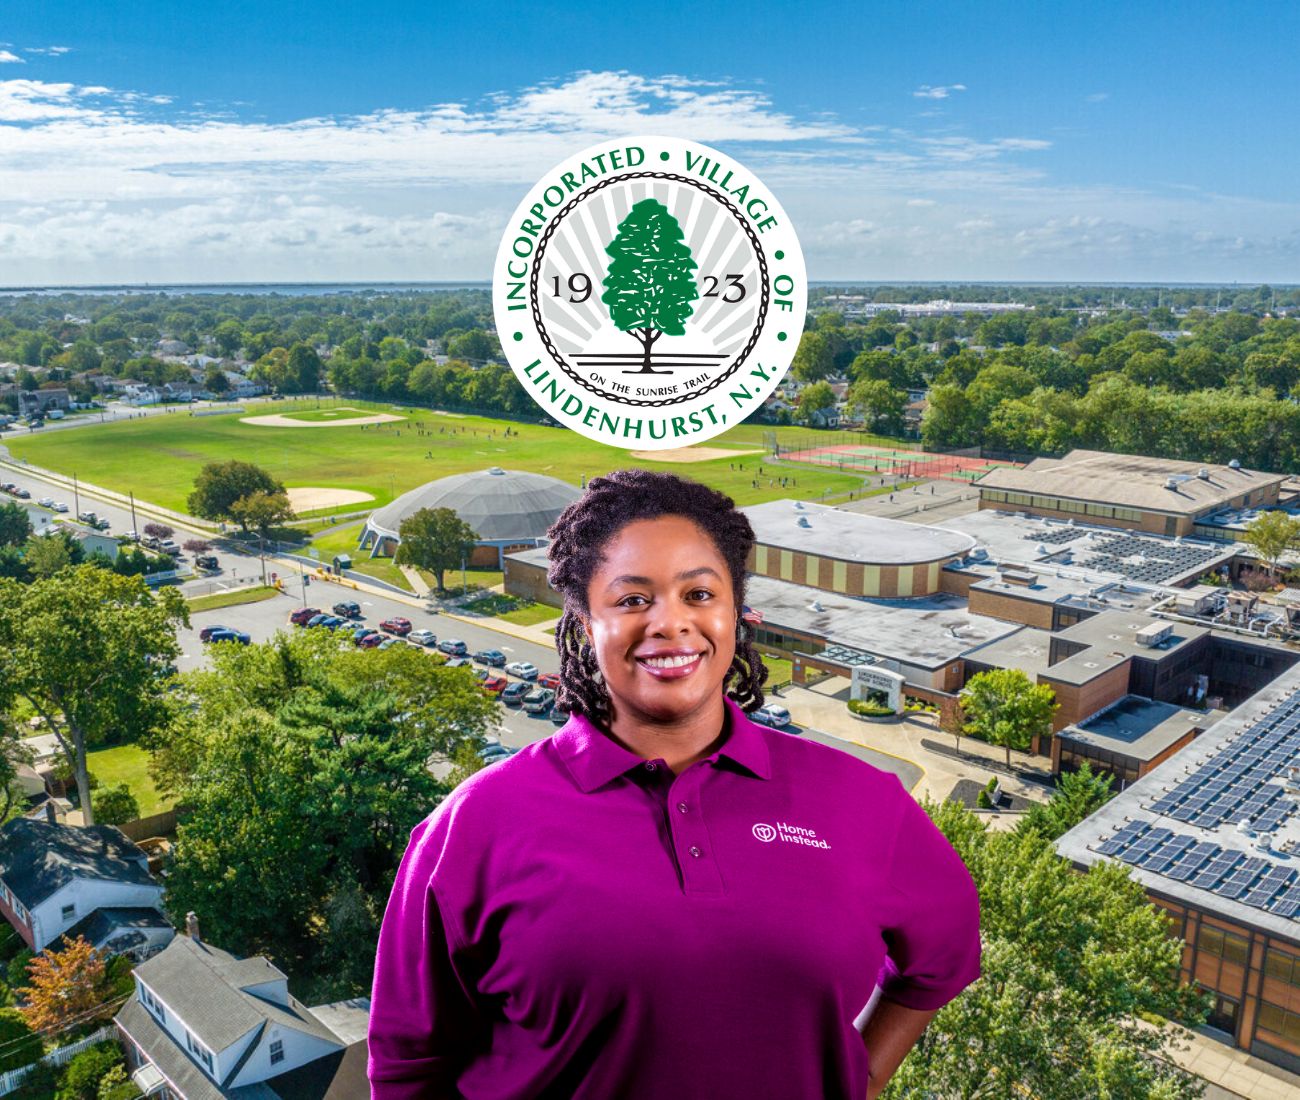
(765, 833)
(649, 293)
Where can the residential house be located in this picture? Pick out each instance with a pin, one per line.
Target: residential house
(207, 1025)
(31, 402)
(172, 347)
(54, 878)
(179, 391)
(241, 387)
(825, 418)
(140, 393)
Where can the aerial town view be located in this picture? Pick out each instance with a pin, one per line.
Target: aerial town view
(286, 536)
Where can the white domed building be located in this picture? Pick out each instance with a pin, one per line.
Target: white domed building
(510, 509)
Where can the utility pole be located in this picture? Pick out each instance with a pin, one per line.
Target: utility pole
(134, 526)
(76, 500)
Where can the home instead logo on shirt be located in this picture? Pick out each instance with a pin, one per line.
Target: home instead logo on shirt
(790, 834)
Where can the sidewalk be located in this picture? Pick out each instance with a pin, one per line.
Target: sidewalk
(1232, 1074)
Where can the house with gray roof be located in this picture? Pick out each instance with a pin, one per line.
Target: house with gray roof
(54, 877)
(207, 1025)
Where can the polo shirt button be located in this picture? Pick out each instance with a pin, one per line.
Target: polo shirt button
(650, 765)
(682, 806)
(696, 852)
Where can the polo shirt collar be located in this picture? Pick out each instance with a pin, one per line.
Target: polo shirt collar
(594, 758)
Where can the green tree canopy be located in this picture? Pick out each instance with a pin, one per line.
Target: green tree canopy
(304, 766)
(650, 287)
(15, 527)
(1272, 534)
(1069, 959)
(220, 484)
(436, 539)
(879, 404)
(814, 398)
(1078, 795)
(814, 360)
(1004, 707)
(261, 511)
(86, 650)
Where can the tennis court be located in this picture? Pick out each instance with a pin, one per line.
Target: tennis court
(904, 465)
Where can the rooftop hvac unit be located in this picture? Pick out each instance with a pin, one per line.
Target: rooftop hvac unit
(1235, 464)
(803, 521)
(816, 605)
(979, 554)
(1203, 474)
(1154, 634)
(798, 505)
(1245, 828)
(1171, 483)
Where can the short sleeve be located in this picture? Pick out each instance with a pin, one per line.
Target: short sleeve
(933, 933)
(423, 1024)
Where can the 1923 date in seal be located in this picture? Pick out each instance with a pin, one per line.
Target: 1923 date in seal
(649, 293)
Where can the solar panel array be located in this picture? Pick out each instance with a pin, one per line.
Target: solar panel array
(1057, 536)
(1231, 786)
(1138, 558)
(1227, 872)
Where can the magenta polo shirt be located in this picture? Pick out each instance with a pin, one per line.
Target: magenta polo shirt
(577, 921)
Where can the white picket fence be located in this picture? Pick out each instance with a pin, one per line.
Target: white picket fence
(13, 1078)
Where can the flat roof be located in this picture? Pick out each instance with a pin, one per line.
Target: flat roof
(1177, 827)
(1140, 728)
(1116, 632)
(1027, 649)
(1131, 481)
(1088, 550)
(852, 536)
(927, 632)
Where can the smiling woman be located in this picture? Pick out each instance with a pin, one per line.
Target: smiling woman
(665, 898)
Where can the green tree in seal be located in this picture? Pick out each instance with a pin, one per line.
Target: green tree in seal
(650, 287)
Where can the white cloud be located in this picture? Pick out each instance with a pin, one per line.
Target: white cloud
(108, 185)
(941, 91)
(8, 57)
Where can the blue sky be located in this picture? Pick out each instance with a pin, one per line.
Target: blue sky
(327, 141)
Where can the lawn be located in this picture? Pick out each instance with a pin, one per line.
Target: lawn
(158, 457)
(127, 764)
(232, 598)
(342, 539)
(779, 670)
(512, 610)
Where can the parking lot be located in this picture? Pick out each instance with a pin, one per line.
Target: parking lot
(261, 621)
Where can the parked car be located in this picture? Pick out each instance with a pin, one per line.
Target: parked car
(372, 640)
(87, 517)
(457, 662)
(549, 680)
(454, 647)
(494, 684)
(539, 700)
(205, 635)
(772, 714)
(422, 637)
(301, 615)
(334, 622)
(225, 635)
(101, 524)
(207, 563)
(514, 693)
(22, 494)
(170, 546)
(359, 632)
(59, 507)
(349, 609)
(389, 643)
(525, 670)
(397, 625)
(149, 542)
(46, 502)
(558, 714)
(494, 658)
(318, 619)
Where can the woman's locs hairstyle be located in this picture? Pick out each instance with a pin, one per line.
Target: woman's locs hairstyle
(578, 539)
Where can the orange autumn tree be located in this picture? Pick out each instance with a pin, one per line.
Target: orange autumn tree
(66, 987)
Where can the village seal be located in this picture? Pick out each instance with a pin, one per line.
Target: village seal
(649, 293)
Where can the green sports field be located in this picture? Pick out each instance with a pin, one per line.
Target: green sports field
(158, 457)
